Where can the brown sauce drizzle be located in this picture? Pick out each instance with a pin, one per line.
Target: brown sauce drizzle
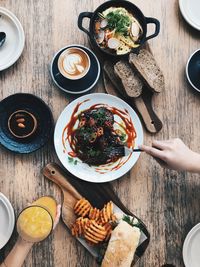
(128, 127)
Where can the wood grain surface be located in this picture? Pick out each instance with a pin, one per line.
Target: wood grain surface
(167, 201)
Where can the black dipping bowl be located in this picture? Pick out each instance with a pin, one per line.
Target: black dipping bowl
(35, 106)
(133, 9)
(193, 70)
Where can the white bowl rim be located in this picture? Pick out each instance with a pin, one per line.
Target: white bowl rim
(11, 222)
(22, 40)
(187, 19)
(190, 234)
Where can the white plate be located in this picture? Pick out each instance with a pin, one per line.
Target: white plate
(190, 10)
(191, 255)
(103, 173)
(14, 43)
(7, 220)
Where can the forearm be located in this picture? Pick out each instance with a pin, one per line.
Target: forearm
(18, 254)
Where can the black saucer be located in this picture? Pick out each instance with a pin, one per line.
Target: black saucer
(76, 86)
(193, 70)
(39, 109)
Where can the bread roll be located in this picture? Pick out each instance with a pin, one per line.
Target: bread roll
(122, 246)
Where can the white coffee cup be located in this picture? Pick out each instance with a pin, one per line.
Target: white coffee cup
(74, 63)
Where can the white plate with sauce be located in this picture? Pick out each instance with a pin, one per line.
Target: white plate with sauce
(7, 220)
(190, 10)
(101, 173)
(12, 49)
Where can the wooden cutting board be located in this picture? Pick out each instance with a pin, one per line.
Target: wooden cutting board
(143, 103)
(98, 194)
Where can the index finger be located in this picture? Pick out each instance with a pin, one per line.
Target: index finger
(154, 152)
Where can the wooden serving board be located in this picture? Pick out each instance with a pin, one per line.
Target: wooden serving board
(98, 194)
(143, 103)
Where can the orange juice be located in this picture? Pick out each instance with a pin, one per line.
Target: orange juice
(34, 224)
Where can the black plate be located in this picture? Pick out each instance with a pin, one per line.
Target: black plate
(193, 70)
(76, 86)
(39, 109)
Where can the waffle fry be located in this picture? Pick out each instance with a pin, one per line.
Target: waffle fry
(79, 226)
(94, 225)
(106, 213)
(94, 214)
(82, 207)
(94, 232)
(108, 228)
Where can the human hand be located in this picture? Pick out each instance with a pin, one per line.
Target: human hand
(174, 154)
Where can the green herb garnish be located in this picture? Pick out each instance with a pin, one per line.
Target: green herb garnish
(130, 220)
(71, 160)
(122, 137)
(118, 21)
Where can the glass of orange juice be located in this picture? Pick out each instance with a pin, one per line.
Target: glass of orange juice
(34, 223)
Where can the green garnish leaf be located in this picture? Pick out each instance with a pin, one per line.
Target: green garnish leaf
(122, 137)
(130, 220)
(118, 21)
(71, 160)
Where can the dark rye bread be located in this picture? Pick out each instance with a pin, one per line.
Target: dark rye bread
(130, 80)
(109, 70)
(148, 69)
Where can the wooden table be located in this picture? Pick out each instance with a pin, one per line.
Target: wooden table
(167, 201)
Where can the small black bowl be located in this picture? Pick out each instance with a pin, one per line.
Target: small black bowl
(144, 21)
(37, 107)
(193, 70)
(79, 86)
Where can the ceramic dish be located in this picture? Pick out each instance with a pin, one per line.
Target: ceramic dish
(12, 49)
(102, 173)
(190, 10)
(92, 16)
(191, 254)
(7, 221)
(82, 85)
(193, 70)
(40, 111)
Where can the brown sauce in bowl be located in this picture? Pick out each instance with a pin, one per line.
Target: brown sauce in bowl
(22, 124)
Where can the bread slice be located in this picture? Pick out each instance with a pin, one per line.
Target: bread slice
(109, 70)
(148, 69)
(130, 80)
(122, 246)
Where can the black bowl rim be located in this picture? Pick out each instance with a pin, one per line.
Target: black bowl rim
(79, 92)
(92, 38)
(187, 67)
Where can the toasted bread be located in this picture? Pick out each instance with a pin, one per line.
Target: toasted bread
(116, 81)
(148, 69)
(130, 80)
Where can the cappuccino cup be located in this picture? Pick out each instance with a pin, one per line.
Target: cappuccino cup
(73, 63)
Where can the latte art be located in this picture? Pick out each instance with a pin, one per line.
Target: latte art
(74, 63)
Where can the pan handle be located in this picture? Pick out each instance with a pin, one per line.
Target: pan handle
(80, 21)
(157, 27)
